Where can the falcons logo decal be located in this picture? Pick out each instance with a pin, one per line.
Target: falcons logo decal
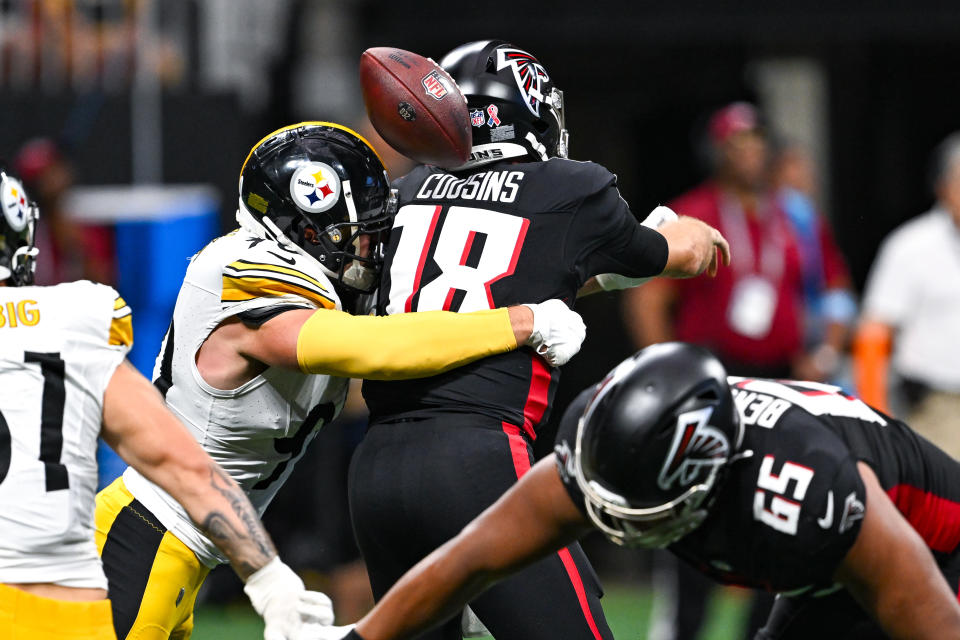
(528, 73)
(696, 447)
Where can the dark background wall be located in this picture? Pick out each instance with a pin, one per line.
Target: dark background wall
(639, 79)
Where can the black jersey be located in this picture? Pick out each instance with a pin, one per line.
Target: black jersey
(785, 517)
(507, 234)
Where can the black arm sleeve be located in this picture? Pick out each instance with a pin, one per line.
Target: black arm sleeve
(604, 237)
(256, 318)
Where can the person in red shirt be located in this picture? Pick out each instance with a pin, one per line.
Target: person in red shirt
(752, 315)
(71, 250)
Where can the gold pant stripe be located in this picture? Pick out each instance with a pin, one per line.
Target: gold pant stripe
(25, 616)
(164, 608)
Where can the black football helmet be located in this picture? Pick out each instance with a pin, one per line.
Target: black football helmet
(653, 442)
(18, 254)
(317, 188)
(515, 108)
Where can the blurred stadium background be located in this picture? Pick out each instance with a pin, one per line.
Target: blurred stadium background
(149, 108)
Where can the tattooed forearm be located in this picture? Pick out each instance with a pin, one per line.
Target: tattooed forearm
(238, 532)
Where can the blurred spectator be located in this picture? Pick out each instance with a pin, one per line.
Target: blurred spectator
(829, 305)
(71, 251)
(754, 316)
(751, 315)
(912, 300)
(54, 44)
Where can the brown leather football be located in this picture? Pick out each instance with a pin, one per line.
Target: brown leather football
(415, 106)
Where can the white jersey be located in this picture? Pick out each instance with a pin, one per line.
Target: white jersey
(259, 430)
(59, 347)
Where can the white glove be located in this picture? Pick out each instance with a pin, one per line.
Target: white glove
(614, 282)
(278, 595)
(324, 632)
(557, 333)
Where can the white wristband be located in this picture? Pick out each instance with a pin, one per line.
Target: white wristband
(613, 281)
(659, 216)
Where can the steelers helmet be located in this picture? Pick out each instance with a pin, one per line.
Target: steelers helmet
(17, 227)
(654, 442)
(516, 110)
(319, 188)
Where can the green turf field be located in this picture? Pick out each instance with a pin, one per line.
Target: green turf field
(627, 609)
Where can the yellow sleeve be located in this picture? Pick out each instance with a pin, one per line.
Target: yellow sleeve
(121, 324)
(407, 345)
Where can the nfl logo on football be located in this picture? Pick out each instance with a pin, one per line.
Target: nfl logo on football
(434, 85)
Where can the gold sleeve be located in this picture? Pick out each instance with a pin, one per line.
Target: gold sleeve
(121, 324)
(407, 345)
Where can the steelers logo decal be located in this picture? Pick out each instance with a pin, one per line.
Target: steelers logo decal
(14, 203)
(315, 187)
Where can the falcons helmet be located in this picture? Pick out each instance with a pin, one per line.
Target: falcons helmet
(320, 189)
(17, 226)
(653, 442)
(515, 108)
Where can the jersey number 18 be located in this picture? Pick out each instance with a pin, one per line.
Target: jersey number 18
(473, 248)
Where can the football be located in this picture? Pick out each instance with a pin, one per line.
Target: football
(415, 106)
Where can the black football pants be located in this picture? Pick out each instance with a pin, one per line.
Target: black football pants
(415, 484)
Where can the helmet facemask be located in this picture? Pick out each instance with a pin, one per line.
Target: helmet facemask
(18, 252)
(354, 248)
(654, 527)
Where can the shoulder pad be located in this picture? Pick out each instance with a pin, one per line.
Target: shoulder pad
(807, 494)
(95, 297)
(409, 183)
(590, 176)
(265, 269)
(562, 183)
(121, 323)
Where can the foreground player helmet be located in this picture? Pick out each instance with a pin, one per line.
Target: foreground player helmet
(17, 226)
(320, 189)
(515, 108)
(653, 442)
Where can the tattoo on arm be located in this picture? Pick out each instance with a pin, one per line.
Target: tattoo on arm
(239, 532)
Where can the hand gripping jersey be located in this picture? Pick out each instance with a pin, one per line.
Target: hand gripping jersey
(786, 516)
(259, 430)
(59, 347)
(507, 234)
